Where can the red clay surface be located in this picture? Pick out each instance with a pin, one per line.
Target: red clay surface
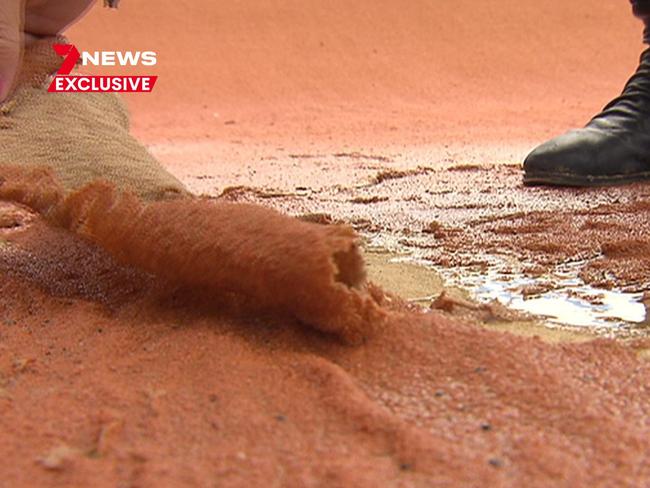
(109, 378)
(139, 385)
(264, 96)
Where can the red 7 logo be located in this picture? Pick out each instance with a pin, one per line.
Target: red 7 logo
(71, 55)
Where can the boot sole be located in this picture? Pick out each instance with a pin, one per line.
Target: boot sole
(568, 179)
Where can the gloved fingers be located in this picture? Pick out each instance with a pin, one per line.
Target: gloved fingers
(51, 17)
(11, 19)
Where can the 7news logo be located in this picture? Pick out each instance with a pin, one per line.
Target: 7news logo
(64, 81)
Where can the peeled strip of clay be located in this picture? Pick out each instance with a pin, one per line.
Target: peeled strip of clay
(313, 272)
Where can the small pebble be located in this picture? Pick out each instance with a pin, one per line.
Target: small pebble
(497, 463)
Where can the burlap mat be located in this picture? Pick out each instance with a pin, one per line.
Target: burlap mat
(82, 137)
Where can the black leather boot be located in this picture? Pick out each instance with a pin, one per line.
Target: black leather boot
(613, 148)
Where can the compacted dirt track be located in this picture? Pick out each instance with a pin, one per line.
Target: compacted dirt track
(405, 119)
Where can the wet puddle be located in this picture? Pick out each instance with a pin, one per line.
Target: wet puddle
(558, 297)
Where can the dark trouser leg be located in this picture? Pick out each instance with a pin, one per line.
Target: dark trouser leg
(641, 9)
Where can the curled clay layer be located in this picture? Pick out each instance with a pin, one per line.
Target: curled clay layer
(311, 271)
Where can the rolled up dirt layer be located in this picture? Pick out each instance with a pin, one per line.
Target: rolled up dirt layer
(311, 271)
